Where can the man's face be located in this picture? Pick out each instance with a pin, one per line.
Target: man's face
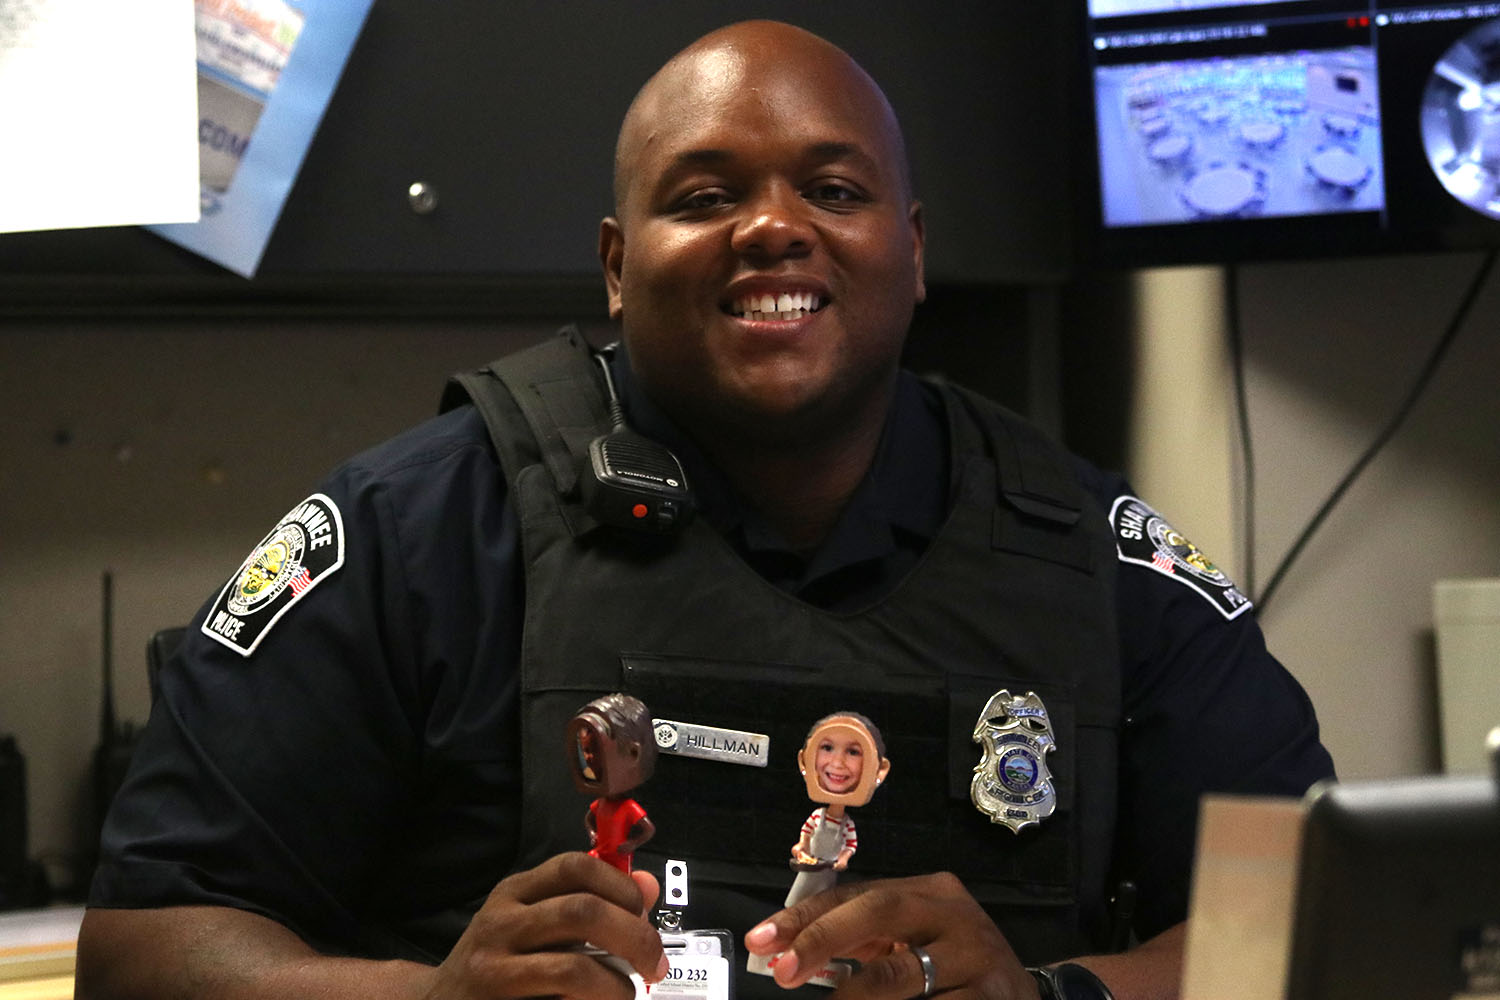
(605, 762)
(767, 255)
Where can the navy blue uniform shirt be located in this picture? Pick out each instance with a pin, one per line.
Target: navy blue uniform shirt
(350, 776)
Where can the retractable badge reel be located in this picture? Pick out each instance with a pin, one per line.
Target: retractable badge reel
(701, 959)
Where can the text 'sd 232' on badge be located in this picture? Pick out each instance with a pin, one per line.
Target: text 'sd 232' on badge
(1011, 783)
(304, 547)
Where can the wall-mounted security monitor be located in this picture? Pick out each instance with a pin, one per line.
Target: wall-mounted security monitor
(1228, 129)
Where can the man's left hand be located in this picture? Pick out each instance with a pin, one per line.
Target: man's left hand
(878, 923)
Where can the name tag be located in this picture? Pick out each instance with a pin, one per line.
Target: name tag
(732, 746)
(700, 967)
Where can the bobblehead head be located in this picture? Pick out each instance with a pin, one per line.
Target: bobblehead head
(609, 746)
(843, 760)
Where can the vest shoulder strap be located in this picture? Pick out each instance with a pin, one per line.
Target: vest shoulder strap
(556, 389)
(1035, 476)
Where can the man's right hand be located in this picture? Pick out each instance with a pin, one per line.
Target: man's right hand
(523, 941)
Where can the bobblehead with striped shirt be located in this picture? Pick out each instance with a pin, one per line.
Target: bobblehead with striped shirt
(843, 761)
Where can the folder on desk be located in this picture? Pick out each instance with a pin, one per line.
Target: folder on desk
(1243, 899)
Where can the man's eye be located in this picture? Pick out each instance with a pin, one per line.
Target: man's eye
(701, 201)
(830, 191)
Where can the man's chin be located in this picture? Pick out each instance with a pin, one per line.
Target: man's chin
(794, 414)
(784, 417)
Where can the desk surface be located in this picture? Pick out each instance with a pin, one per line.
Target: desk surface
(37, 953)
(51, 988)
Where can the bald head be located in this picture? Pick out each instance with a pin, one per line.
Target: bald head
(762, 164)
(765, 57)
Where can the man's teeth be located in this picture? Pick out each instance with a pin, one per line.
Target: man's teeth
(787, 305)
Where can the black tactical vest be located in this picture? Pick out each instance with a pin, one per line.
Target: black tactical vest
(1016, 591)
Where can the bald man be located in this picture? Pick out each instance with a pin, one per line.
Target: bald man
(352, 787)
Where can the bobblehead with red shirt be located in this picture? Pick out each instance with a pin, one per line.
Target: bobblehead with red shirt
(611, 752)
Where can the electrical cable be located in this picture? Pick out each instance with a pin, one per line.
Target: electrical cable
(1242, 416)
(1439, 351)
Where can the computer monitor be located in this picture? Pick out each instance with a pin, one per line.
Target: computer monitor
(1398, 892)
(1223, 130)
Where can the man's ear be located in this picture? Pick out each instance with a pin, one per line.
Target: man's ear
(919, 246)
(612, 258)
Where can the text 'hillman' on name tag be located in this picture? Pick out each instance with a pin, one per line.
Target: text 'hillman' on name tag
(711, 743)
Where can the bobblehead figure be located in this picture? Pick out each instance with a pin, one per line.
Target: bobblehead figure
(843, 762)
(611, 752)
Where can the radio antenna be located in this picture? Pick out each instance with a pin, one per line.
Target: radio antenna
(107, 707)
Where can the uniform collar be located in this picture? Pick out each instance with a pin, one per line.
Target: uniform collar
(896, 509)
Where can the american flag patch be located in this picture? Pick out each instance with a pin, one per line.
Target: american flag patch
(1159, 560)
(300, 582)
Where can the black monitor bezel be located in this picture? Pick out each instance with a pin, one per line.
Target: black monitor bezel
(1396, 880)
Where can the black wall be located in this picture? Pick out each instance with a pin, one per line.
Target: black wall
(509, 110)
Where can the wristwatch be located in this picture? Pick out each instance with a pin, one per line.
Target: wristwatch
(1069, 981)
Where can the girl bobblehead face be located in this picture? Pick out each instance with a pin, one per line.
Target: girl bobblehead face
(840, 763)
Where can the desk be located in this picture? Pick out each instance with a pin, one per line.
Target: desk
(37, 953)
(51, 988)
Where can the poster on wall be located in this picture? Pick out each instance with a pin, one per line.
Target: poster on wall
(266, 71)
(96, 115)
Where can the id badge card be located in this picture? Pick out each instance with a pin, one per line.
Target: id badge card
(701, 967)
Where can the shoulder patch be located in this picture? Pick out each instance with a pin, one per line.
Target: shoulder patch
(304, 547)
(1143, 537)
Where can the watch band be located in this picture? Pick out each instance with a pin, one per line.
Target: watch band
(1069, 981)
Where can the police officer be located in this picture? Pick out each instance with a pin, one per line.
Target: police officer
(353, 783)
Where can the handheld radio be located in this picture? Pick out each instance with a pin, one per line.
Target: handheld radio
(633, 481)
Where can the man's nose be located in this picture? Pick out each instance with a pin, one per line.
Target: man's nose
(775, 224)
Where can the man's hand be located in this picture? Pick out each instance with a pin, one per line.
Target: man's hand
(525, 940)
(877, 923)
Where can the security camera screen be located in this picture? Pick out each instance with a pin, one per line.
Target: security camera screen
(1461, 119)
(1286, 133)
(1213, 111)
(1367, 123)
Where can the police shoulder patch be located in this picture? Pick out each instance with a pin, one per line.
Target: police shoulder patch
(304, 547)
(1143, 537)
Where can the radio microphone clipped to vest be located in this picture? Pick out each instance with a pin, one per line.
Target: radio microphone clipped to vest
(633, 481)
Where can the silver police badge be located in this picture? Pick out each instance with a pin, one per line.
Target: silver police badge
(1011, 783)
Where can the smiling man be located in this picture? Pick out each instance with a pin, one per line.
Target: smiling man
(765, 260)
(361, 788)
